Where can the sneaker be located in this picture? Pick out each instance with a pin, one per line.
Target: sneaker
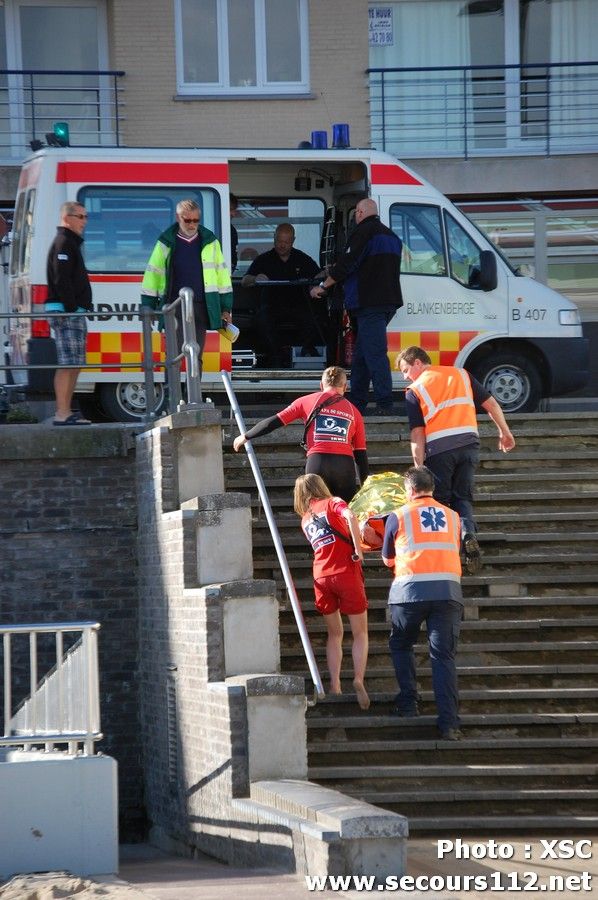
(451, 734)
(471, 555)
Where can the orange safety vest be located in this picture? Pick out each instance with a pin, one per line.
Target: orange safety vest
(427, 543)
(446, 400)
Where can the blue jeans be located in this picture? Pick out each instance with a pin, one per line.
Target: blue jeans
(370, 359)
(454, 472)
(443, 622)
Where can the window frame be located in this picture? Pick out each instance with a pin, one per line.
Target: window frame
(223, 87)
(398, 206)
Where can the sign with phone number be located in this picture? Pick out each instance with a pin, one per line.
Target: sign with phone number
(380, 30)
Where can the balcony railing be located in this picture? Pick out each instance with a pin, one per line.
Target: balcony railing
(31, 100)
(539, 109)
(56, 668)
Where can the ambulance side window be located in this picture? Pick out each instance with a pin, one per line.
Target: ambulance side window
(256, 219)
(125, 222)
(418, 226)
(17, 231)
(464, 254)
(20, 251)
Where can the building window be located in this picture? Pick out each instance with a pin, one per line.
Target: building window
(242, 47)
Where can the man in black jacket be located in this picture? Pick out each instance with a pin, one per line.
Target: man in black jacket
(370, 270)
(69, 291)
(286, 304)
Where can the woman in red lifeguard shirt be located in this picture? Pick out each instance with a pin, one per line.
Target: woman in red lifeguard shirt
(335, 437)
(333, 531)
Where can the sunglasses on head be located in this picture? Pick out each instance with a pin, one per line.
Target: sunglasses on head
(190, 221)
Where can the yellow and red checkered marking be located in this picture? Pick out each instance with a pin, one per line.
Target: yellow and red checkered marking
(109, 349)
(441, 346)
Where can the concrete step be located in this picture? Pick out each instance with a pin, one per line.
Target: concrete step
(371, 750)
(480, 677)
(483, 700)
(496, 803)
(491, 540)
(550, 823)
(324, 724)
(492, 527)
(499, 652)
(475, 608)
(432, 778)
(517, 570)
(397, 458)
(471, 631)
(281, 476)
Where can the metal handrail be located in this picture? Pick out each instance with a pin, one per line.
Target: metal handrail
(189, 352)
(23, 728)
(172, 364)
(280, 552)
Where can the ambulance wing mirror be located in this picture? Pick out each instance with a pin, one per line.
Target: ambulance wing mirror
(488, 279)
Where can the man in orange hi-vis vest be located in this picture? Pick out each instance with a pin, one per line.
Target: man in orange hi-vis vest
(421, 543)
(442, 405)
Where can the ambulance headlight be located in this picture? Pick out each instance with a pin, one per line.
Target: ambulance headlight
(569, 317)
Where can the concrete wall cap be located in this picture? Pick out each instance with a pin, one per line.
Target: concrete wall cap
(267, 685)
(209, 415)
(264, 813)
(233, 590)
(221, 687)
(333, 811)
(40, 442)
(216, 502)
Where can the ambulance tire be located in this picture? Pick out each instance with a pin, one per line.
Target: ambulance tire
(512, 379)
(124, 401)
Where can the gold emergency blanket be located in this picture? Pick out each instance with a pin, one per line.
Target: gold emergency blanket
(378, 496)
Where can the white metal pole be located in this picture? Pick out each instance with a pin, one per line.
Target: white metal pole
(282, 558)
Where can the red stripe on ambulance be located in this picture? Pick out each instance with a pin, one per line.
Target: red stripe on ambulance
(116, 279)
(388, 174)
(142, 173)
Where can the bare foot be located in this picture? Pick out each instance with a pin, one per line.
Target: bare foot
(362, 694)
(335, 689)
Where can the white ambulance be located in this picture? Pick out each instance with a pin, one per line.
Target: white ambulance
(463, 301)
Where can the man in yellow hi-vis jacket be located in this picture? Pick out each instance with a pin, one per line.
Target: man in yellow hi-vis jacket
(189, 255)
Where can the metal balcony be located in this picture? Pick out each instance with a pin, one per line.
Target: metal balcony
(466, 111)
(31, 100)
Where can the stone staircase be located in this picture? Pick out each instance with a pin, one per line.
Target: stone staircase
(528, 657)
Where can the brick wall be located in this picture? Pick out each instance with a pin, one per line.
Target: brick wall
(92, 529)
(68, 549)
(143, 44)
(193, 761)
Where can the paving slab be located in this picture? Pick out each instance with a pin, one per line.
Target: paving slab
(163, 877)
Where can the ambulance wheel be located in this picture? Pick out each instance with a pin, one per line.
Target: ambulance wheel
(125, 401)
(512, 379)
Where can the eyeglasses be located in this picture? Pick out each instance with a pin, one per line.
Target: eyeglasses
(190, 221)
(77, 215)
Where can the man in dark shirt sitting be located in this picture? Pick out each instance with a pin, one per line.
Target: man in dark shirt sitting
(281, 304)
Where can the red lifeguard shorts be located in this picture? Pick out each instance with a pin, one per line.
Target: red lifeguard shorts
(344, 591)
